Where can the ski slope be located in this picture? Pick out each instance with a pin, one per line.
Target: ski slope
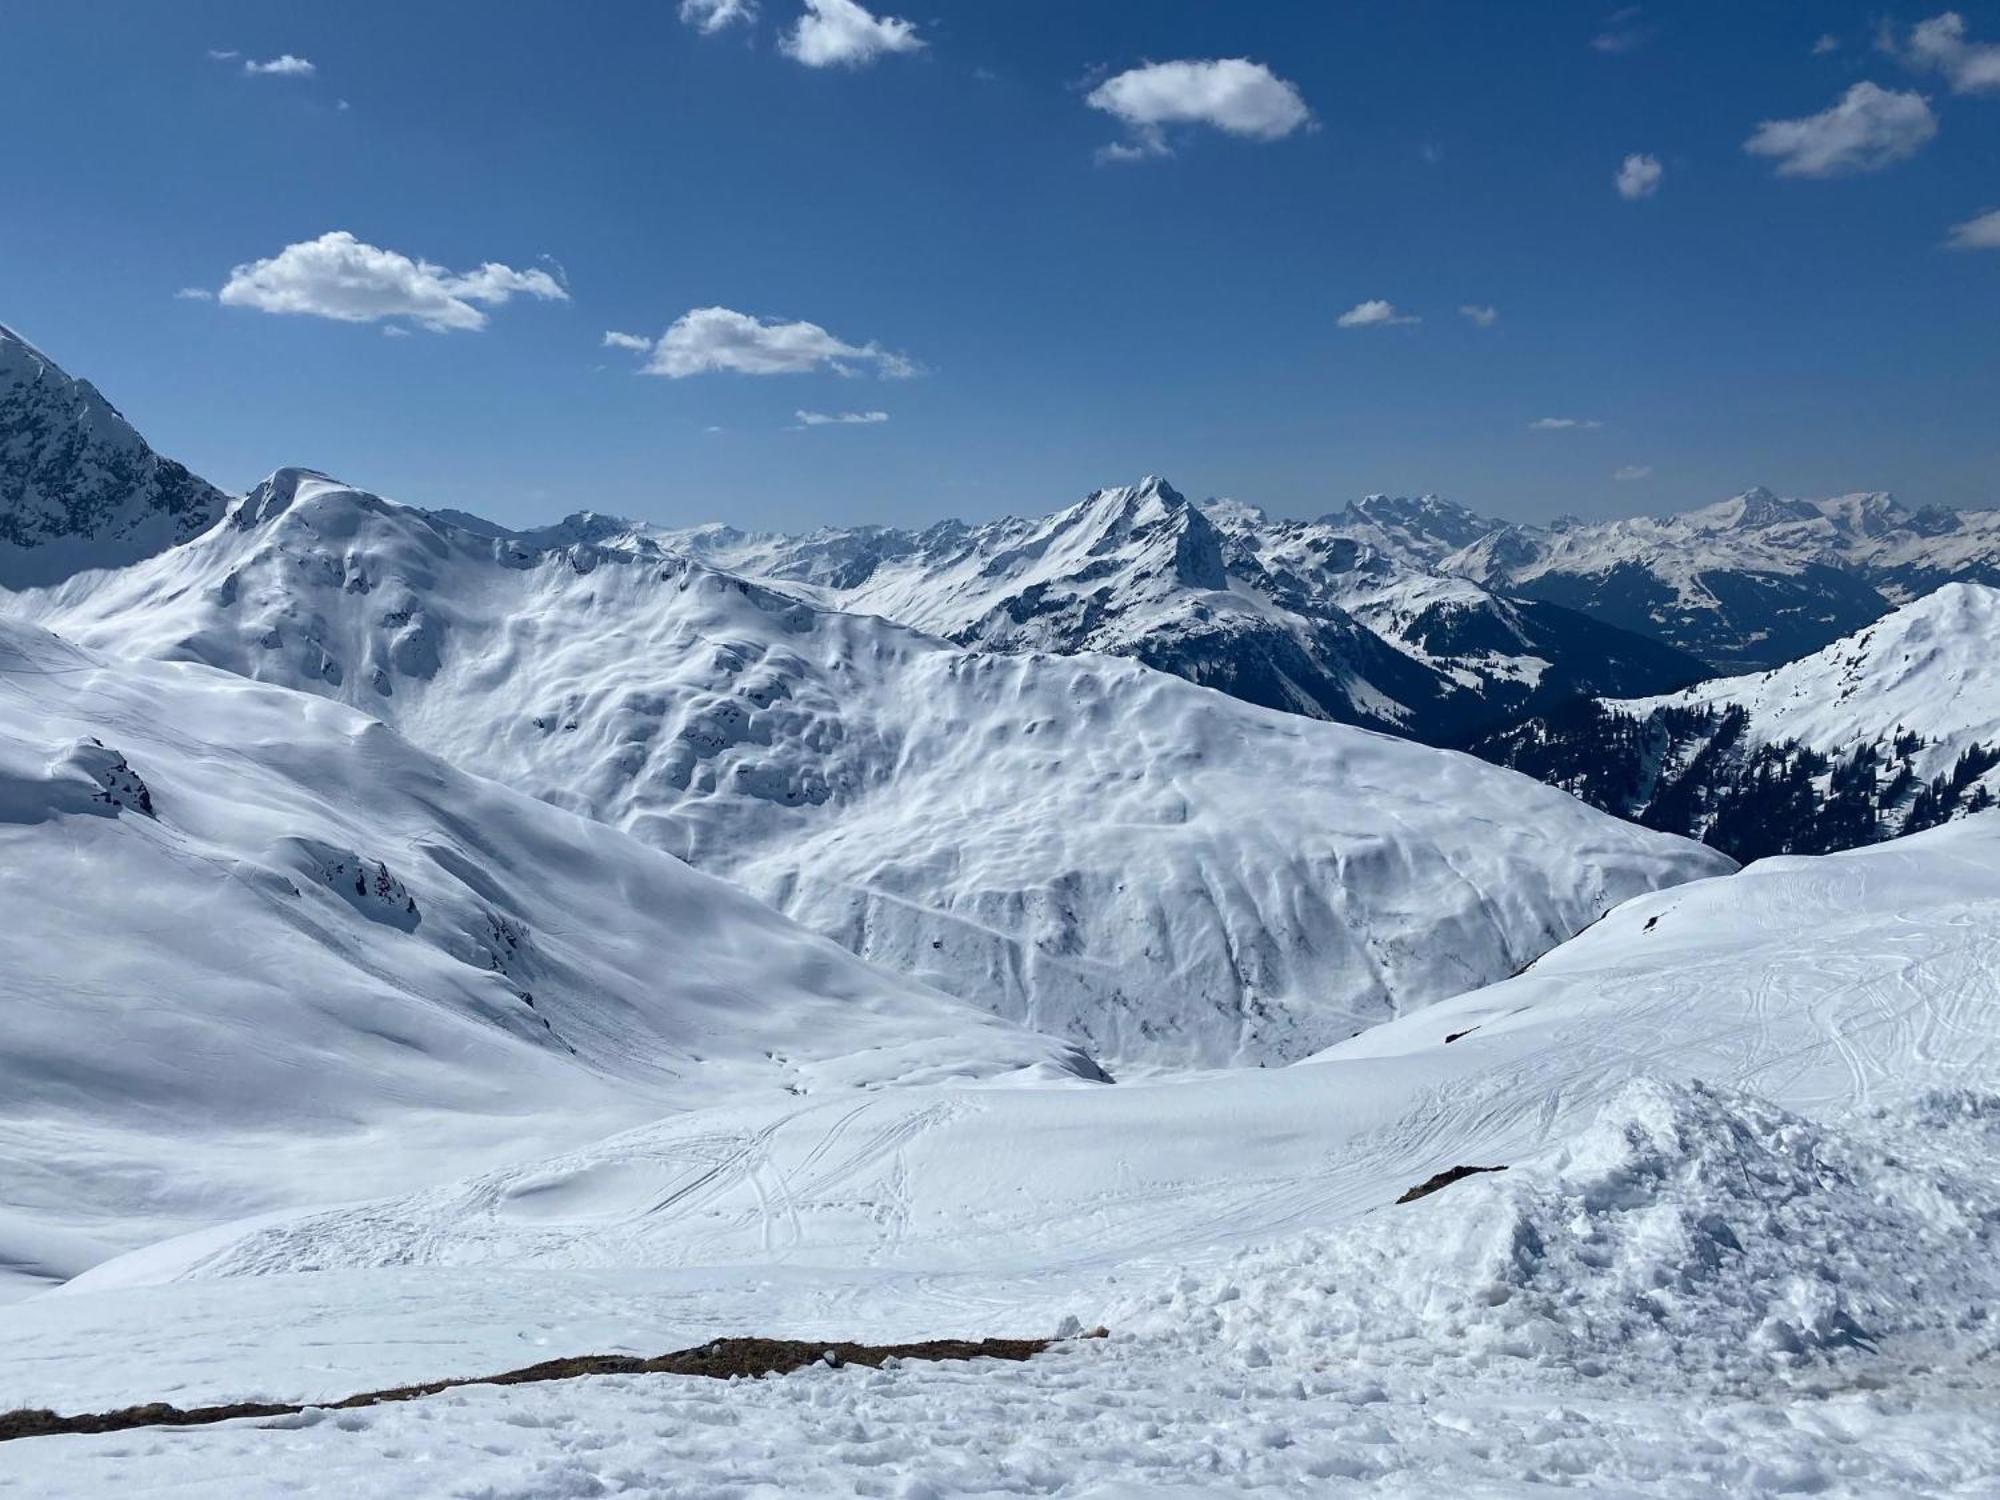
(1100, 851)
(1744, 1245)
(256, 951)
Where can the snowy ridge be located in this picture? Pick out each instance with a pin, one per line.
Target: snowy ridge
(78, 487)
(258, 951)
(1081, 844)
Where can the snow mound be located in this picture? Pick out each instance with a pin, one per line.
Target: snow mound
(1688, 1231)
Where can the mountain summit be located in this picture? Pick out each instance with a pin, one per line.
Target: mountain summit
(79, 488)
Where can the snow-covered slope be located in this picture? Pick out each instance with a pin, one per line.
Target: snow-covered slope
(1893, 729)
(78, 487)
(1311, 617)
(1099, 850)
(1774, 1280)
(256, 950)
(1750, 582)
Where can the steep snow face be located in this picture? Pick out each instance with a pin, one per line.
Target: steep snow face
(1751, 581)
(78, 487)
(256, 950)
(1347, 621)
(1891, 730)
(1105, 852)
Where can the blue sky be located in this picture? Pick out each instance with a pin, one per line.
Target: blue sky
(1030, 318)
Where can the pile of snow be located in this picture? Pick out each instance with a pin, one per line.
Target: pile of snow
(258, 951)
(1093, 848)
(1687, 1234)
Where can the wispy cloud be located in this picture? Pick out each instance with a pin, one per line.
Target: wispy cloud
(710, 16)
(1479, 316)
(1869, 129)
(1375, 313)
(841, 33)
(1230, 94)
(712, 340)
(1564, 424)
(1639, 176)
(194, 294)
(1827, 43)
(1623, 32)
(340, 277)
(223, 54)
(839, 419)
(1981, 233)
(1631, 472)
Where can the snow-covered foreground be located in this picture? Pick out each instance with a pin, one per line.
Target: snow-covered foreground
(1775, 1280)
(1101, 851)
(257, 951)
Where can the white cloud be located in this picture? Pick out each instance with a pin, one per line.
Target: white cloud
(840, 33)
(394, 331)
(1232, 94)
(615, 340)
(286, 66)
(1374, 313)
(1631, 472)
(1940, 44)
(710, 16)
(1621, 32)
(1981, 233)
(194, 294)
(840, 419)
(223, 54)
(1564, 424)
(1480, 317)
(338, 276)
(1827, 42)
(706, 340)
(1869, 129)
(1639, 176)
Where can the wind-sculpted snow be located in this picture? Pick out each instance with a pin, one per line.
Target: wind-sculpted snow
(255, 950)
(78, 487)
(1097, 849)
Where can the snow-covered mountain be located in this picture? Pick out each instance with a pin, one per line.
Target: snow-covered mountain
(1083, 844)
(1320, 618)
(78, 487)
(256, 950)
(1750, 582)
(1893, 729)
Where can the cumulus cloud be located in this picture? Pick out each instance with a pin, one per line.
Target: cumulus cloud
(1869, 129)
(1639, 176)
(707, 340)
(286, 66)
(1564, 424)
(1982, 233)
(840, 33)
(616, 340)
(1230, 94)
(840, 418)
(1631, 472)
(710, 16)
(1940, 45)
(340, 277)
(1480, 316)
(1374, 313)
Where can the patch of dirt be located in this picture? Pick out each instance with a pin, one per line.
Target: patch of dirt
(1443, 1179)
(717, 1360)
